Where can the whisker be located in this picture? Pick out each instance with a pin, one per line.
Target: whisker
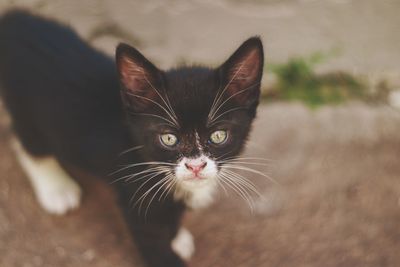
(163, 108)
(244, 162)
(130, 149)
(143, 197)
(147, 174)
(130, 176)
(223, 155)
(243, 168)
(245, 182)
(222, 186)
(242, 193)
(167, 101)
(154, 115)
(143, 164)
(215, 99)
(219, 96)
(213, 121)
(168, 189)
(248, 158)
(230, 97)
(238, 186)
(167, 180)
(158, 93)
(141, 186)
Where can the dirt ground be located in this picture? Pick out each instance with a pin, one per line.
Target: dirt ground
(337, 202)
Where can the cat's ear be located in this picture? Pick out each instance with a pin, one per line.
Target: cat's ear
(139, 78)
(241, 74)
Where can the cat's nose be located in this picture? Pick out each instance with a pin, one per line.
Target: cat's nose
(196, 165)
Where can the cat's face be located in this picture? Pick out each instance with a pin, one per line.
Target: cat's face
(190, 121)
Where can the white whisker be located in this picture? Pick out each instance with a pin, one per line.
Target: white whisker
(220, 183)
(130, 176)
(229, 98)
(238, 189)
(248, 158)
(143, 197)
(141, 186)
(158, 93)
(243, 168)
(244, 162)
(245, 182)
(167, 180)
(219, 96)
(130, 149)
(147, 174)
(168, 189)
(143, 164)
(155, 116)
(225, 154)
(213, 121)
(163, 108)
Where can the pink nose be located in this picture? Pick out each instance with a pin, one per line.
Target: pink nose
(195, 166)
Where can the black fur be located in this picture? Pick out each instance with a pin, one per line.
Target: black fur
(63, 95)
(64, 99)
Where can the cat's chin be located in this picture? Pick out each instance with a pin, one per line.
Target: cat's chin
(196, 193)
(193, 183)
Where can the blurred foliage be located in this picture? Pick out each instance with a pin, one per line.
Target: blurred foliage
(297, 80)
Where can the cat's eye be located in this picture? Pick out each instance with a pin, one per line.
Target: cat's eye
(169, 139)
(218, 137)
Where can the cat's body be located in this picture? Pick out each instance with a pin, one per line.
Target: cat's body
(175, 127)
(58, 91)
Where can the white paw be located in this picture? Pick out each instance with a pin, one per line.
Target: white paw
(59, 197)
(56, 191)
(183, 244)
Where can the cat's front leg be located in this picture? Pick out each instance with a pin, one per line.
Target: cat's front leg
(157, 232)
(55, 190)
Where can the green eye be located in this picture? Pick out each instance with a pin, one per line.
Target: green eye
(169, 139)
(218, 137)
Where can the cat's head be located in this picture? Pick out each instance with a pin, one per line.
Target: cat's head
(190, 121)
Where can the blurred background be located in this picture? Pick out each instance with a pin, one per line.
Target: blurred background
(329, 124)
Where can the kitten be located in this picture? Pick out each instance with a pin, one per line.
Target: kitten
(178, 128)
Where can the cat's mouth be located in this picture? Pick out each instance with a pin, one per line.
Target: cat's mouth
(196, 171)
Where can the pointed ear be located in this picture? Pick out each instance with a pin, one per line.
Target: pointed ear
(139, 78)
(241, 74)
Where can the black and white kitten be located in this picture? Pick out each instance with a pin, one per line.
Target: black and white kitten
(177, 128)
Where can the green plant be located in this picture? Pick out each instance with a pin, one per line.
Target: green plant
(297, 80)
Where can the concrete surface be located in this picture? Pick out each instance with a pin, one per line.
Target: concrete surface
(366, 33)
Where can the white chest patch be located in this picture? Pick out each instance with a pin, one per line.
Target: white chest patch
(183, 244)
